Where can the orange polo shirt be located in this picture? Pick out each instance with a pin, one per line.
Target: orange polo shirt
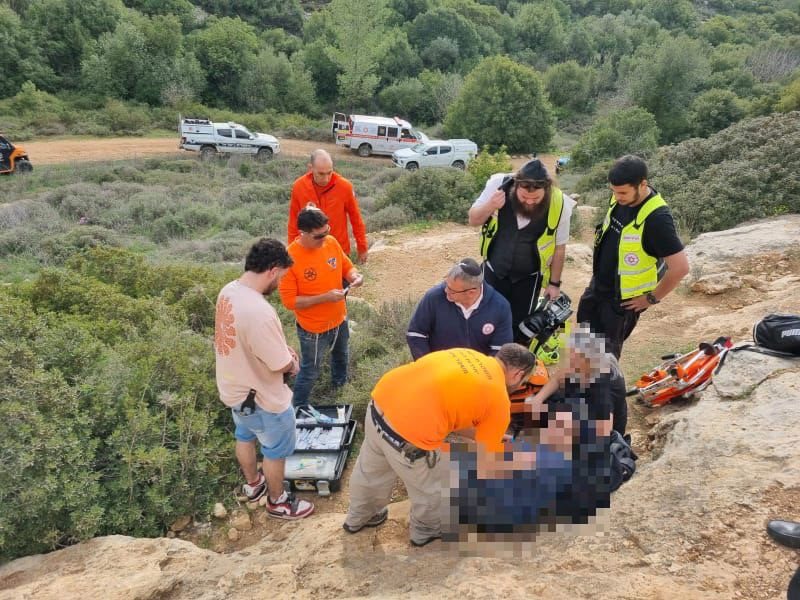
(316, 271)
(445, 391)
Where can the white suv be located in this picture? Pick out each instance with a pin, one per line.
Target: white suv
(436, 153)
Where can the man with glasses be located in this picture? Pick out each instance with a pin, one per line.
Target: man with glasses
(461, 312)
(638, 256)
(525, 221)
(312, 288)
(322, 187)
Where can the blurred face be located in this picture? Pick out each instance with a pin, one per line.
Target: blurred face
(322, 170)
(630, 195)
(530, 194)
(316, 237)
(460, 292)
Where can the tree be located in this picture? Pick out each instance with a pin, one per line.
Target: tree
(358, 28)
(790, 97)
(714, 110)
(64, 29)
(502, 102)
(664, 79)
(540, 27)
(225, 48)
(672, 14)
(20, 60)
(444, 22)
(399, 59)
(627, 131)
(324, 71)
(441, 53)
(286, 14)
(570, 86)
(273, 81)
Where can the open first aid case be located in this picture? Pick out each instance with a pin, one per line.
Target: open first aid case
(324, 436)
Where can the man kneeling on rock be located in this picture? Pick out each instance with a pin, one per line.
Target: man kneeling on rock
(413, 409)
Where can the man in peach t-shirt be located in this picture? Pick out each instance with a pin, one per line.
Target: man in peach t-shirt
(251, 359)
(312, 288)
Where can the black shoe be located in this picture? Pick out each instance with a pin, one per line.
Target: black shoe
(426, 541)
(793, 593)
(785, 532)
(374, 521)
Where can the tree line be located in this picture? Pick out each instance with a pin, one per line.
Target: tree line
(497, 71)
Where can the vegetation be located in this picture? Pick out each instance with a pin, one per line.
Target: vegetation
(101, 67)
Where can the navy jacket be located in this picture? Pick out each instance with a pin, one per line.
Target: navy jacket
(438, 324)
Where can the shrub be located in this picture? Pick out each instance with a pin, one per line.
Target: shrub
(714, 110)
(444, 194)
(627, 131)
(389, 217)
(486, 164)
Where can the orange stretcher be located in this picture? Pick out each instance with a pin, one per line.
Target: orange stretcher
(680, 375)
(520, 417)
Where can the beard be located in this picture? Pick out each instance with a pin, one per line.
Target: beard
(531, 212)
(273, 285)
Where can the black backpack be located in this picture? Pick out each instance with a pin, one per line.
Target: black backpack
(623, 459)
(780, 333)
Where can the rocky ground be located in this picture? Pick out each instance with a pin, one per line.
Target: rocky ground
(690, 524)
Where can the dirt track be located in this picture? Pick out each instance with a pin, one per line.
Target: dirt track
(70, 150)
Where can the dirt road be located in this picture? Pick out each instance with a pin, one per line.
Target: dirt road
(69, 150)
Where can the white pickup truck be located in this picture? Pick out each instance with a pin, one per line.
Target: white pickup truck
(201, 135)
(436, 153)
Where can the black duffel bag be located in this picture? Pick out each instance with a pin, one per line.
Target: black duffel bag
(780, 333)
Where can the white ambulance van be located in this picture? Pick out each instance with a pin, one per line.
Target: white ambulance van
(374, 135)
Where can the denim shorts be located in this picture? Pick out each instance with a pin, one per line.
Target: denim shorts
(274, 431)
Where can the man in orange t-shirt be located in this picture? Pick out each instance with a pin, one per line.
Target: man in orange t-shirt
(312, 288)
(414, 408)
(332, 194)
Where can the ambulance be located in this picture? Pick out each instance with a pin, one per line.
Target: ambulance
(374, 135)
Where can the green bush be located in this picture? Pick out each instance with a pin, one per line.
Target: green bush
(487, 163)
(389, 217)
(432, 194)
(626, 131)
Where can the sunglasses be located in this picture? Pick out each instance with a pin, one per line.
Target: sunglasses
(530, 186)
(318, 236)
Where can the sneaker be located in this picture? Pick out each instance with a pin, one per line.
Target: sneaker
(289, 508)
(376, 520)
(254, 492)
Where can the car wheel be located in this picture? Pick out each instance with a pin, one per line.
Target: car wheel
(24, 166)
(264, 154)
(412, 166)
(207, 152)
(459, 164)
(364, 150)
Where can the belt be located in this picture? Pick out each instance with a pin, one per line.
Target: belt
(396, 441)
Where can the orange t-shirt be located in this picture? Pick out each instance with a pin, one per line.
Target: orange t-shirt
(316, 271)
(445, 391)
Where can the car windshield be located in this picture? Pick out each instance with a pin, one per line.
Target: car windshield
(420, 136)
(418, 148)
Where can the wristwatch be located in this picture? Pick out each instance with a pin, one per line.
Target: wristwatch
(651, 298)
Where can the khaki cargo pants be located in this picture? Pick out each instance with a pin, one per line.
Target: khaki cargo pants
(374, 476)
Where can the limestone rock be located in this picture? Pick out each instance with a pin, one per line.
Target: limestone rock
(744, 370)
(233, 534)
(220, 512)
(241, 521)
(718, 283)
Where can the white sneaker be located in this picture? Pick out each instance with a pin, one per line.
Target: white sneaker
(289, 508)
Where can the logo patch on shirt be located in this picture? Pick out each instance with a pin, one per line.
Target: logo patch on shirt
(332, 262)
(631, 259)
(487, 328)
(310, 274)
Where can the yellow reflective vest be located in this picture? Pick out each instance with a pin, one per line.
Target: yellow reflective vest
(637, 270)
(546, 243)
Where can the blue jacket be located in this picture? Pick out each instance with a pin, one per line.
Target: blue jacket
(438, 324)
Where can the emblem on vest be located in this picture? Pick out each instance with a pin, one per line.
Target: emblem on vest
(310, 274)
(487, 328)
(631, 259)
(332, 262)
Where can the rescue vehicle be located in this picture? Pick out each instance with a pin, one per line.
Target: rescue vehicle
(13, 159)
(374, 135)
(208, 138)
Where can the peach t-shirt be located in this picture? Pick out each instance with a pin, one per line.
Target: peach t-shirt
(250, 349)
(316, 271)
(445, 391)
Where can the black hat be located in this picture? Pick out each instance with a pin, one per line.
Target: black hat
(533, 170)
